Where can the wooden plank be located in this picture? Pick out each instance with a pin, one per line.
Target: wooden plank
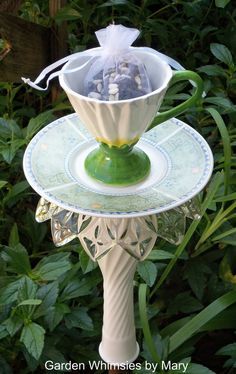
(59, 36)
(29, 46)
(10, 6)
(59, 47)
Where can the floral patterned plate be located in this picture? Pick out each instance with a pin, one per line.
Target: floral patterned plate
(181, 165)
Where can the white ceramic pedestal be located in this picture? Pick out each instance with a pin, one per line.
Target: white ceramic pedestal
(117, 244)
(118, 343)
(117, 226)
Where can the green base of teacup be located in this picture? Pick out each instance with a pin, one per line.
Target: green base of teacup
(121, 166)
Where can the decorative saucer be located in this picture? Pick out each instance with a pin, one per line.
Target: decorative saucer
(181, 165)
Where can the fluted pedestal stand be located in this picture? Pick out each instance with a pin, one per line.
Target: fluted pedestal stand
(118, 244)
(118, 334)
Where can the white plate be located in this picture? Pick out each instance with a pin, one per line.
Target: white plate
(181, 165)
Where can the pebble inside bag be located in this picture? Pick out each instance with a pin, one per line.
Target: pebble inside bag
(117, 74)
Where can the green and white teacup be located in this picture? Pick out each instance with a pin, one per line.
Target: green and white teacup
(118, 125)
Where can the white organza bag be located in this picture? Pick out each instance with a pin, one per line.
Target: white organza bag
(117, 74)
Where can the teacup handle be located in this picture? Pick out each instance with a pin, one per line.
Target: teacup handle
(180, 76)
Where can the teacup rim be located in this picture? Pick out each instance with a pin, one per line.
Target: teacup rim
(169, 75)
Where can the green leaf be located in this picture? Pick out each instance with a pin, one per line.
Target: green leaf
(114, 2)
(222, 53)
(13, 324)
(35, 124)
(228, 350)
(86, 263)
(51, 267)
(219, 101)
(195, 273)
(8, 294)
(35, 232)
(48, 294)
(145, 324)
(224, 234)
(193, 326)
(147, 271)
(223, 320)
(5, 368)
(224, 198)
(184, 303)
(52, 353)
(227, 267)
(15, 193)
(8, 151)
(27, 289)
(77, 287)
(9, 128)
(197, 282)
(198, 369)
(67, 14)
(2, 184)
(172, 327)
(212, 70)
(32, 337)
(221, 3)
(56, 314)
(159, 254)
(14, 236)
(3, 332)
(31, 362)
(226, 144)
(79, 318)
(30, 302)
(17, 259)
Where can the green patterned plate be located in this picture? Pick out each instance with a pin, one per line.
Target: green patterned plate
(181, 165)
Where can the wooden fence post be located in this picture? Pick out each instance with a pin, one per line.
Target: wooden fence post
(26, 51)
(10, 6)
(58, 40)
(26, 48)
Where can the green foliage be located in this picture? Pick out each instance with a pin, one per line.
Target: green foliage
(147, 271)
(32, 336)
(222, 53)
(229, 350)
(221, 3)
(51, 299)
(51, 267)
